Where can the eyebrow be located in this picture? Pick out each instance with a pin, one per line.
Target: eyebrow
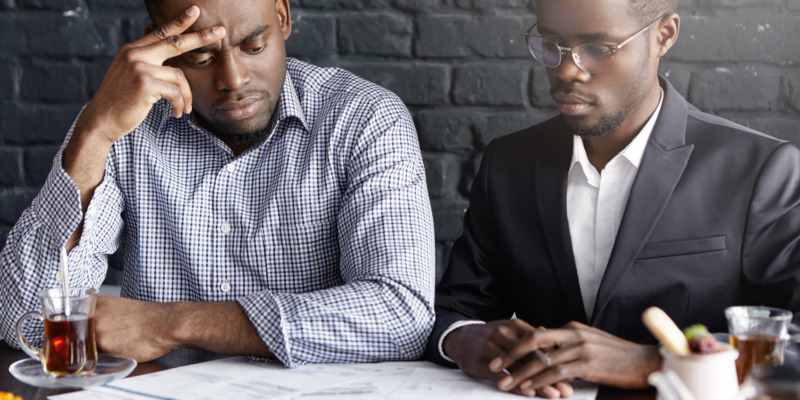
(583, 37)
(210, 48)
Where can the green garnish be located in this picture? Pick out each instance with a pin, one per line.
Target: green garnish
(695, 331)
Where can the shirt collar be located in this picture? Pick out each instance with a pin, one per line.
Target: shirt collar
(633, 152)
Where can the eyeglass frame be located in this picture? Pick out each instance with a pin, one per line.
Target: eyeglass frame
(562, 50)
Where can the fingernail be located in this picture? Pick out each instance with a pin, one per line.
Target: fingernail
(495, 364)
(192, 11)
(217, 30)
(525, 385)
(505, 382)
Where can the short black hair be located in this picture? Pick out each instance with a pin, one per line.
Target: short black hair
(648, 10)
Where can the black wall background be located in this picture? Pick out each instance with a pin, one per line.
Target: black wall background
(459, 65)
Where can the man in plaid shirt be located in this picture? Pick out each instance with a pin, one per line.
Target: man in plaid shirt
(268, 207)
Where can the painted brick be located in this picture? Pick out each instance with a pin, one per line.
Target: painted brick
(50, 4)
(28, 124)
(462, 36)
(792, 88)
(110, 32)
(442, 171)
(445, 129)
(53, 34)
(421, 6)
(448, 216)
(539, 88)
(313, 36)
(345, 4)
(414, 83)
(489, 84)
(679, 76)
(116, 4)
(10, 167)
(45, 80)
(37, 162)
(753, 89)
(13, 202)
(493, 5)
(9, 75)
(757, 36)
(376, 34)
(739, 3)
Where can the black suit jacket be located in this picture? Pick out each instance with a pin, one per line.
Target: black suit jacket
(713, 220)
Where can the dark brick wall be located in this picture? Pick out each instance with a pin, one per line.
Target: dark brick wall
(460, 66)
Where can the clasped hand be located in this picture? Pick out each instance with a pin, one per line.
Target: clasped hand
(573, 351)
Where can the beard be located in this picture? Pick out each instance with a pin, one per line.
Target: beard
(606, 124)
(233, 137)
(243, 139)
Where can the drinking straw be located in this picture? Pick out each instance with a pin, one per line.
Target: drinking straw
(65, 279)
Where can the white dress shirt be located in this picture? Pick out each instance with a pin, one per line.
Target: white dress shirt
(595, 204)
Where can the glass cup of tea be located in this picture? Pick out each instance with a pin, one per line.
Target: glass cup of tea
(759, 334)
(69, 339)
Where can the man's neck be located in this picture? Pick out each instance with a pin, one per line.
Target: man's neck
(602, 149)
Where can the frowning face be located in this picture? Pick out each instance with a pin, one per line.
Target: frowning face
(236, 82)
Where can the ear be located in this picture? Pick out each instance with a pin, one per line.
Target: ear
(285, 17)
(667, 33)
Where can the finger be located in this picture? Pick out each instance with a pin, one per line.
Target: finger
(172, 28)
(553, 376)
(167, 82)
(549, 392)
(535, 340)
(565, 389)
(173, 46)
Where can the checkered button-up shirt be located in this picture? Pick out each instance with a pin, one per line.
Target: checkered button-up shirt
(323, 233)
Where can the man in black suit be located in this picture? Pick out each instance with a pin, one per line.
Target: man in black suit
(630, 198)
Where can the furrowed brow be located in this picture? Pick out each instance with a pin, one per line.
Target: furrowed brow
(210, 48)
(261, 29)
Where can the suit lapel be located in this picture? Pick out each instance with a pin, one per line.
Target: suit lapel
(661, 169)
(551, 194)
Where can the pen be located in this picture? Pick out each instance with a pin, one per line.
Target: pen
(540, 355)
(543, 357)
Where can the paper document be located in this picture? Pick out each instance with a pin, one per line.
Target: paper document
(237, 378)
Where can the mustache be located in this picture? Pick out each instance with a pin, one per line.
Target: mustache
(233, 97)
(569, 89)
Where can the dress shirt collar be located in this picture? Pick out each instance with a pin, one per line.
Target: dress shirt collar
(633, 152)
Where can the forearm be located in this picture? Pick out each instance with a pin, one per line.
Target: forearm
(218, 327)
(84, 157)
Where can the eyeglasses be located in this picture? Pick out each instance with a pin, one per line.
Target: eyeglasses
(592, 58)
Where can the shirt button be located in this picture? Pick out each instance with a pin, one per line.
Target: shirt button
(225, 287)
(230, 167)
(225, 227)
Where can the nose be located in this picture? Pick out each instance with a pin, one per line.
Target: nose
(569, 70)
(232, 73)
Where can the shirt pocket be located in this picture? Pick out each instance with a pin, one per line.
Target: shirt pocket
(682, 247)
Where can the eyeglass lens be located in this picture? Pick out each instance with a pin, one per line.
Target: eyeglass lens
(590, 57)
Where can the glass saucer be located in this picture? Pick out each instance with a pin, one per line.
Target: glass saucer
(108, 369)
